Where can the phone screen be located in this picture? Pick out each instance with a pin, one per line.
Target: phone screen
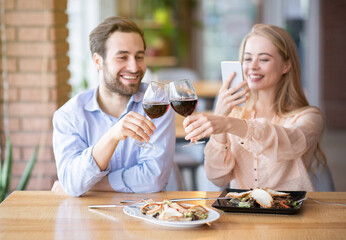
(227, 68)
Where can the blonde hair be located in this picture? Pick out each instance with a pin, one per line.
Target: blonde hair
(289, 97)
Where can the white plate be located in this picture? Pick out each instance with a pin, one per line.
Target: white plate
(136, 212)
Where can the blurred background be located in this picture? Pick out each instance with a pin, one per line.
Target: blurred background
(45, 60)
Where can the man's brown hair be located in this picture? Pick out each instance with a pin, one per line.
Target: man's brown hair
(99, 36)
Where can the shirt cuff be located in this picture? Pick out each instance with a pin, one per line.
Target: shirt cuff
(116, 181)
(220, 146)
(250, 142)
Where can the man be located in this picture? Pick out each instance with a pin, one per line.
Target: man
(95, 132)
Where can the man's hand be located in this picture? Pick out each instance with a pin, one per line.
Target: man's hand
(132, 125)
(135, 126)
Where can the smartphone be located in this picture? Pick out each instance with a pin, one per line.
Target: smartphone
(227, 68)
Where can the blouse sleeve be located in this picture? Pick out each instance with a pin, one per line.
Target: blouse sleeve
(284, 142)
(219, 162)
(278, 142)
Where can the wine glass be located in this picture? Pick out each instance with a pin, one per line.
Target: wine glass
(155, 104)
(183, 99)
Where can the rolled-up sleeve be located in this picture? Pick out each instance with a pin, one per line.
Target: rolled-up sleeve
(77, 170)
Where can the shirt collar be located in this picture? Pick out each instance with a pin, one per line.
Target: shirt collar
(93, 105)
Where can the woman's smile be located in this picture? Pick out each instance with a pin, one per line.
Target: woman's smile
(255, 77)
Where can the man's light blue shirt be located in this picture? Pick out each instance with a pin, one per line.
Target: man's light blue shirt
(80, 123)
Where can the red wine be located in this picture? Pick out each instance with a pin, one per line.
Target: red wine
(184, 107)
(155, 109)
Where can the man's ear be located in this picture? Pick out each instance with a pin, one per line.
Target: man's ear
(98, 61)
(287, 66)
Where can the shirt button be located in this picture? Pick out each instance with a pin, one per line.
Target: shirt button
(256, 180)
(254, 169)
(241, 142)
(226, 147)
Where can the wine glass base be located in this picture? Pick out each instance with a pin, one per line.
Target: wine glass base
(145, 145)
(193, 143)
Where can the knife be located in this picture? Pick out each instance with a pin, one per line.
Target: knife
(197, 199)
(107, 206)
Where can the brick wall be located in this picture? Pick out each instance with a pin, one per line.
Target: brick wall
(333, 62)
(35, 71)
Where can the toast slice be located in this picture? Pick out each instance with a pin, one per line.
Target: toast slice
(276, 193)
(262, 197)
(237, 194)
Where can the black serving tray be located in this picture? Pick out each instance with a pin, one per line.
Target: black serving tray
(224, 205)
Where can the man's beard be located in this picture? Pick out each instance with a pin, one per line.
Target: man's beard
(113, 84)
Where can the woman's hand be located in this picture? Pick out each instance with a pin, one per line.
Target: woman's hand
(229, 97)
(202, 125)
(198, 126)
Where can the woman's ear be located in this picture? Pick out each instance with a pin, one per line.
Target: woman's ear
(98, 61)
(287, 67)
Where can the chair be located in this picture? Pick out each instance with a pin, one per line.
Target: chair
(189, 159)
(323, 180)
(175, 182)
(204, 184)
(57, 187)
(184, 161)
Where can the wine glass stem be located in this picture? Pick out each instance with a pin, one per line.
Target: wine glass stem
(193, 143)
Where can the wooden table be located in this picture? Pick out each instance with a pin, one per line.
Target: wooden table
(207, 89)
(179, 128)
(207, 92)
(52, 215)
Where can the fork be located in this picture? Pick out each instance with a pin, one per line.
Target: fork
(303, 199)
(138, 204)
(146, 200)
(110, 206)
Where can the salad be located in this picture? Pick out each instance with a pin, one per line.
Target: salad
(265, 198)
(172, 211)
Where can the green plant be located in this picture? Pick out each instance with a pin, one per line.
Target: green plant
(6, 172)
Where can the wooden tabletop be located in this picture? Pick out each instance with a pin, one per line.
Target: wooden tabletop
(207, 89)
(51, 215)
(179, 128)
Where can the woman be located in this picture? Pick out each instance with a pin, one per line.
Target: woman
(274, 139)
